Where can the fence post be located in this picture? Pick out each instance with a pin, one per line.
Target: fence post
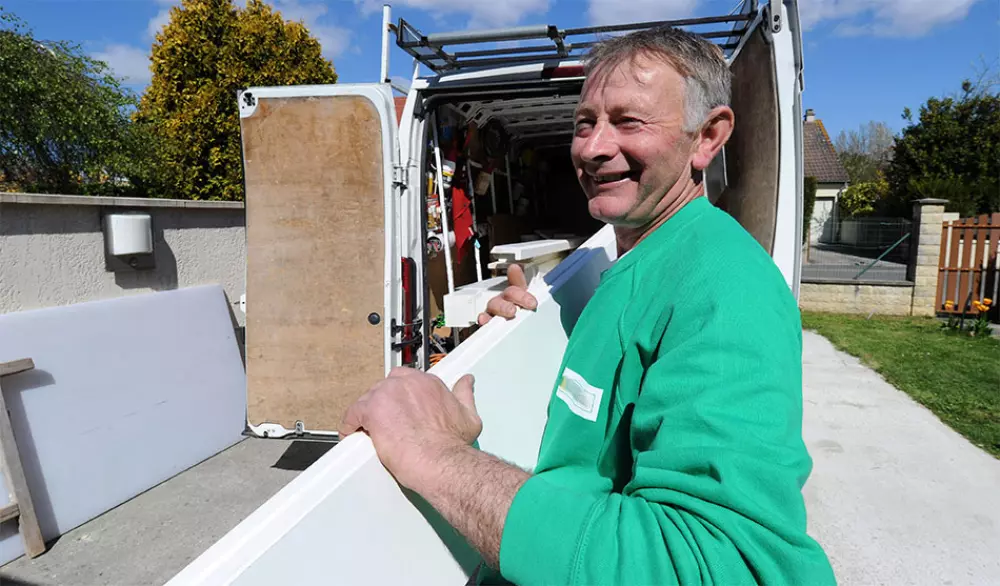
(925, 250)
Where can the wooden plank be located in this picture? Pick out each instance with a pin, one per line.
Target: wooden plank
(953, 269)
(315, 257)
(31, 533)
(978, 264)
(9, 512)
(992, 258)
(965, 265)
(16, 366)
(942, 283)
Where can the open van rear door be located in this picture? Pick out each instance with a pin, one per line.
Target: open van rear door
(321, 284)
(763, 158)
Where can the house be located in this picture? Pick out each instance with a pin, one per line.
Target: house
(821, 162)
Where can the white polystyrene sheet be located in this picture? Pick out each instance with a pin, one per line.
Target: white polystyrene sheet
(346, 521)
(125, 394)
(535, 248)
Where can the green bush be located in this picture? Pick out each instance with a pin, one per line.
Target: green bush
(64, 118)
(863, 199)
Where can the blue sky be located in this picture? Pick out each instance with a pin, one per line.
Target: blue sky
(864, 59)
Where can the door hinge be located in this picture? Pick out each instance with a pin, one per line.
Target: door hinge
(413, 339)
(399, 175)
(774, 19)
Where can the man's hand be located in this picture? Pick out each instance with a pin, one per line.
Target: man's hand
(514, 296)
(415, 421)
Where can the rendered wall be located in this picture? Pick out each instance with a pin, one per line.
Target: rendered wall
(52, 249)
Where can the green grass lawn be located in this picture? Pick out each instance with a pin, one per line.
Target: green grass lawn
(956, 377)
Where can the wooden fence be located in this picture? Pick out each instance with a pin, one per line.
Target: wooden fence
(968, 265)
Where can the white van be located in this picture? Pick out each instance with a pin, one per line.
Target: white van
(362, 217)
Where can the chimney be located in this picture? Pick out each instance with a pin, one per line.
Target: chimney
(810, 115)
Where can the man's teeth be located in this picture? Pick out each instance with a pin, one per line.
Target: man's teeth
(610, 178)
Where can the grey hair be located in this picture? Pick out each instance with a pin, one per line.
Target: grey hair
(707, 79)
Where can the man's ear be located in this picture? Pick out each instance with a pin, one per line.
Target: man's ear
(713, 136)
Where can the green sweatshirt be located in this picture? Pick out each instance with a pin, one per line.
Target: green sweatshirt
(673, 451)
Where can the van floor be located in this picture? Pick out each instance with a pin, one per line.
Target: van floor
(149, 539)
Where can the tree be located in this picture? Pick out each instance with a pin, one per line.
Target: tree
(208, 51)
(866, 151)
(808, 204)
(64, 119)
(953, 150)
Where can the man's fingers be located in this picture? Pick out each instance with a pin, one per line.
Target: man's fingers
(353, 419)
(515, 276)
(520, 297)
(401, 371)
(464, 391)
(500, 306)
(484, 318)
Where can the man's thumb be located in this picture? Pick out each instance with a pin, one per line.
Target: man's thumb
(464, 392)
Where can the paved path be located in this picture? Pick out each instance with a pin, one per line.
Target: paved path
(896, 497)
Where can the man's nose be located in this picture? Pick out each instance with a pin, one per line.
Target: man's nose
(601, 145)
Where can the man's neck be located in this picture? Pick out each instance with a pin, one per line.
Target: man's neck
(628, 237)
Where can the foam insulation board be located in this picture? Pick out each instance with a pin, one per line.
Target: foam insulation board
(345, 520)
(463, 306)
(528, 250)
(125, 394)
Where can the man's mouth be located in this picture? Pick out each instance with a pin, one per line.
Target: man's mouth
(606, 178)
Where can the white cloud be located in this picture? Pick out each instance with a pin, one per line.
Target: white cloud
(161, 19)
(130, 63)
(334, 39)
(603, 12)
(888, 18)
(481, 13)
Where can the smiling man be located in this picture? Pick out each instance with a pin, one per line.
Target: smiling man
(673, 451)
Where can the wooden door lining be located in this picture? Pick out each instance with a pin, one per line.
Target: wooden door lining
(752, 153)
(315, 257)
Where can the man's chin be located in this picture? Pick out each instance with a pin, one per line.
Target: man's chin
(606, 211)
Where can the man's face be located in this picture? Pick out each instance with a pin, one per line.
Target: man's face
(629, 147)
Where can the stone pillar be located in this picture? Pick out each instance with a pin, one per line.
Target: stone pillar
(925, 252)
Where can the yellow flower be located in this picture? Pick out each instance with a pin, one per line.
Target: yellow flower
(949, 304)
(987, 302)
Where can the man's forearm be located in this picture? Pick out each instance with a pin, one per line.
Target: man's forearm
(473, 491)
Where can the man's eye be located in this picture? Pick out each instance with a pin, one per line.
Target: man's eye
(583, 126)
(629, 123)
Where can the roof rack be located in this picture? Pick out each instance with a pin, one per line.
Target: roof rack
(434, 50)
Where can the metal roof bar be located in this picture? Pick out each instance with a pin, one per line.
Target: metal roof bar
(460, 55)
(489, 36)
(615, 28)
(430, 49)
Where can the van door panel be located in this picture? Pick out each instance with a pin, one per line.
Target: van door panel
(752, 157)
(315, 205)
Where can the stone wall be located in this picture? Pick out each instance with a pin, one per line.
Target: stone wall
(928, 216)
(880, 298)
(915, 296)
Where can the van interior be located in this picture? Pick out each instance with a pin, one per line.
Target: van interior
(507, 177)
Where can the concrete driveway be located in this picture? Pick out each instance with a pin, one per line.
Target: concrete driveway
(896, 497)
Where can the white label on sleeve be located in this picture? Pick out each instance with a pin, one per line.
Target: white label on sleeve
(580, 396)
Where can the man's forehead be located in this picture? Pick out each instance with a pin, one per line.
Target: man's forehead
(638, 73)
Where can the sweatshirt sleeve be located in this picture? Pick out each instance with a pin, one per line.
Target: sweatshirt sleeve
(718, 468)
